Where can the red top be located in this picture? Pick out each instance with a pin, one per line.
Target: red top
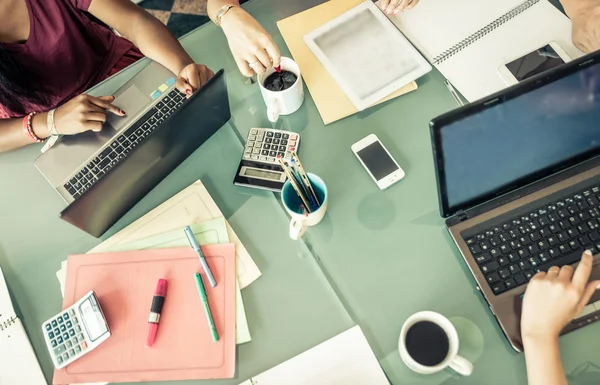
(66, 49)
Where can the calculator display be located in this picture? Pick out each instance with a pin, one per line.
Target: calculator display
(262, 174)
(92, 319)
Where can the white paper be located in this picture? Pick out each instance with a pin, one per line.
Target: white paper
(435, 26)
(346, 359)
(192, 205)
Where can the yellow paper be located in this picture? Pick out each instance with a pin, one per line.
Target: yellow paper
(331, 101)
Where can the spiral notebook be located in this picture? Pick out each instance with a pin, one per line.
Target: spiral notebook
(468, 40)
(18, 364)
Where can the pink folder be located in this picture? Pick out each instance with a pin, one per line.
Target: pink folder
(124, 283)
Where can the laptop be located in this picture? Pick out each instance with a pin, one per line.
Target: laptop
(518, 176)
(103, 175)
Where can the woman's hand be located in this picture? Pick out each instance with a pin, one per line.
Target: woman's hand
(84, 113)
(554, 298)
(252, 47)
(192, 77)
(586, 27)
(392, 7)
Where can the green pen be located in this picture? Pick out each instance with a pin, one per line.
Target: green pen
(211, 323)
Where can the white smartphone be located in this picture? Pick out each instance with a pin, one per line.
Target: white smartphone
(378, 162)
(535, 62)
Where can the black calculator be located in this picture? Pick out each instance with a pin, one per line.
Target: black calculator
(259, 167)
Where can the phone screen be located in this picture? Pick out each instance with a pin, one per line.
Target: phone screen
(535, 63)
(377, 160)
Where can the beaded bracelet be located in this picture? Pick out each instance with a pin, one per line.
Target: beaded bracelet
(28, 129)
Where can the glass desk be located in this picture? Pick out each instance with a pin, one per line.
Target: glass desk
(376, 258)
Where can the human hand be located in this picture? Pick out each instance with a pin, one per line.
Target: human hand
(554, 298)
(192, 77)
(252, 47)
(392, 7)
(84, 113)
(586, 27)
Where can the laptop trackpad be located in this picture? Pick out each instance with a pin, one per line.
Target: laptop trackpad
(132, 101)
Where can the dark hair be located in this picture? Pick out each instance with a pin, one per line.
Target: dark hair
(18, 87)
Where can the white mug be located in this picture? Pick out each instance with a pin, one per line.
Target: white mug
(452, 360)
(301, 221)
(282, 102)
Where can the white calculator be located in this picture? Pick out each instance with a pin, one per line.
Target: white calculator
(259, 167)
(75, 331)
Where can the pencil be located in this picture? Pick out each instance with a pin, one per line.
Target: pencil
(296, 158)
(293, 183)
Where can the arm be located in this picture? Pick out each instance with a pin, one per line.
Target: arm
(153, 39)
(551, 301)
(585, 15)
(12, 135)
(248, 40)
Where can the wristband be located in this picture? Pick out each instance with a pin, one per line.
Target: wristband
(50, 122)
(28, 129)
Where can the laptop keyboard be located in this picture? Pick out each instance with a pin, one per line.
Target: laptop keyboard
(554, 234)
(123, 144)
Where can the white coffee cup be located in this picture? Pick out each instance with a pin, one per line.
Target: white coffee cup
(300, 221)
(452, 360)
(283, 102)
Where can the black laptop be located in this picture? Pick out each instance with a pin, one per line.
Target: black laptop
(518, 177)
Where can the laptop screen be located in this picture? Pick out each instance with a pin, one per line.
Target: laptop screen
(502, 147)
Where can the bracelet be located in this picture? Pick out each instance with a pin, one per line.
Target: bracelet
(28, 129)
(50, 122)
(224, 9)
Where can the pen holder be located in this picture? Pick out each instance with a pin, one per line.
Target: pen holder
(293, 205)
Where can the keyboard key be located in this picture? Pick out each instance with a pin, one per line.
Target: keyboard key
(498, 288)
(544, 257)
(504, 273)
(535, 262)
(510, 283)
(524, 264)
(529, 274)
(514, 269)
(503, 261)
(514, 257)
(523, 253)
(490, 267)
(475, 249)
(492, 277)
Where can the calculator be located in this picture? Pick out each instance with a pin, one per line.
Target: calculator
(259, 167)
(75, 331)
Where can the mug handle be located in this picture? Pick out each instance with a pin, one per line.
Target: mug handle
(461, 365)
(273, 110)
(297, 228)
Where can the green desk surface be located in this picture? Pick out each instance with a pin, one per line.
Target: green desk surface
(376, 258)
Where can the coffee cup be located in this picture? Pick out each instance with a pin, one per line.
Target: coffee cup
(429, 343)
(286, 100)
(301, 220)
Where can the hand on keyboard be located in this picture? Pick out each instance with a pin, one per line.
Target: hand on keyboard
(192, 77)
(555, 297)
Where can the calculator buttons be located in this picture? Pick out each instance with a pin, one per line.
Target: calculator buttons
(83, 345)
(56, 332)
(48, 327)
(71, 312)
(65, 316)
(53, 343)
(77, 329)
(255, 157)
(69, 344)
(77, 349)
(293, 137)
(59, 339)
(270, 159)
(278, 135)
(252, 137)
(269, 134)
(276, 141)
(281, 155)
(50, 335)
(54, 324)
(292, 143)
(256, 151)
(258, 145)
(71, 352)
(266, 159)
(63, 328)
(249, 144)
(80, 337)
(59, 360)
(60, 319)
(265, 152)
(284, 142)
(267, 147)
(282, 148)
(253, 131)
(288, 156)
(268, 140)
(71, 332)
(69, 324)
(273, 154)
(65, 356)
(75, 321)
(60, 350)
(292, 149)
(65, 336)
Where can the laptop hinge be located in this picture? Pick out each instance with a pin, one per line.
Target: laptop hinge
(462, 216)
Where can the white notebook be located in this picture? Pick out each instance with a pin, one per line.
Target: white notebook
(346, 359)
(467, 40)
(18, 364)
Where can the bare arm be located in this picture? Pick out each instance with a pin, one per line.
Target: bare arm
(544, 366)
(12, 135)
(143, 30)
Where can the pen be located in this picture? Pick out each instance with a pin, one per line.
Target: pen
(453, 92)
(155, 309)
(202, 292)
(190, 236)
(296, 159)
(304, 188)
(293, 183)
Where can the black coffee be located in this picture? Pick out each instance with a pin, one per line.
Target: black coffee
(279, 81)
(427, 343)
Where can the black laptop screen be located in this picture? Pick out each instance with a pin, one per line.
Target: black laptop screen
(500, 147)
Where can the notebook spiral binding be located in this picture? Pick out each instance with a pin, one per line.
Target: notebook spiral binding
(6, 324)
(484, 31)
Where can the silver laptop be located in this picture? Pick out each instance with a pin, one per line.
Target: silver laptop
(75, 163)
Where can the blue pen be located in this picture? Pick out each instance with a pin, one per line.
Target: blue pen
(196, 247)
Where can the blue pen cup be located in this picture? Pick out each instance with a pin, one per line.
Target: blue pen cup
(293, 205)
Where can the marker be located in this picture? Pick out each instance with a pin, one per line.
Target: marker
(196, 247)
(202, 292)
(155, 309)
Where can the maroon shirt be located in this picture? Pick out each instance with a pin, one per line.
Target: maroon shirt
(69, 52)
